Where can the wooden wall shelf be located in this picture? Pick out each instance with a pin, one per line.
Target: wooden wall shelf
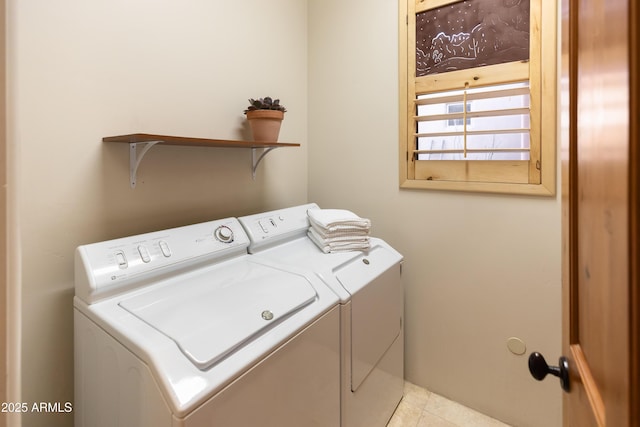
(149, 140)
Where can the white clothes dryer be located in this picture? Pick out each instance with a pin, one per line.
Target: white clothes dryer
(371, 309)
(182, 328)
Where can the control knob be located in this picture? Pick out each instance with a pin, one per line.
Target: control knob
(223, 234)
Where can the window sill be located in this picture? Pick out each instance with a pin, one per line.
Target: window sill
(481, 187)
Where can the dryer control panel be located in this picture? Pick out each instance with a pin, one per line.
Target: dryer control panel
(106, 268)
(270, 228)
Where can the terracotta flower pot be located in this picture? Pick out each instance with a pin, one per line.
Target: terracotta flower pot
(265, 124)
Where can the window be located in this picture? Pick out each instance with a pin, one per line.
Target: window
(478, 103)
(457, 108)
(500, 129)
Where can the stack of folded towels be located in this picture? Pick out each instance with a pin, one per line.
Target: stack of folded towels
(338, 230)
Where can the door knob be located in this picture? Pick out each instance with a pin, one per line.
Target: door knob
(539, 369)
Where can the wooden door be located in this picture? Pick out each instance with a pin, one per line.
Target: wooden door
(600, 212)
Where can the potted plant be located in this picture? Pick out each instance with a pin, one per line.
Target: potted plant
(265, 117)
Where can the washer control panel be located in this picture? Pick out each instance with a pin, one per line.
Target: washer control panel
(106, 268)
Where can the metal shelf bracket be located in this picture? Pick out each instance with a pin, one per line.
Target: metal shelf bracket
(135, 159)
(256, 159)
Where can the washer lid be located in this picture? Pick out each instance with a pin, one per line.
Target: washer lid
(210, 315)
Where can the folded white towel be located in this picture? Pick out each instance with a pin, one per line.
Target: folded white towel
(339, 238)
(336, 219)
(339, 246)
(340, 231)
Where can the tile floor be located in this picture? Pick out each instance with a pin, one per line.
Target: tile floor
(422, 408)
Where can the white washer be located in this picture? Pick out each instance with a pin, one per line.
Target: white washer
(183, 328)
(371, 309)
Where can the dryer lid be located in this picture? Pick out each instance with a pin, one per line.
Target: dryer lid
(209, 315)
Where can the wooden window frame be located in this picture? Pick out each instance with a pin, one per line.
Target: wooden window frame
(484, 175)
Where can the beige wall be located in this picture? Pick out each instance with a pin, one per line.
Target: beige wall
(3, 214)
(82, 70)
(478, 268)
